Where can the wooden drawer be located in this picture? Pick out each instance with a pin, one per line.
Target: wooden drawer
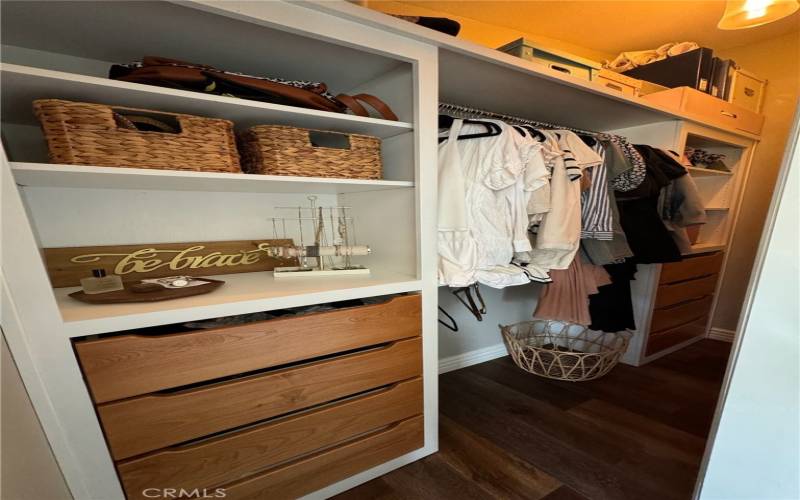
(230, 457)
(674, 293)
(147, 423)
(321, 469)
(709, 109)
(659, 341)
(130, 365)
(691, 268)
(670, 317)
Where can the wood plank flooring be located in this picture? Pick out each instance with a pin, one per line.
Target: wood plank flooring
(638, 433)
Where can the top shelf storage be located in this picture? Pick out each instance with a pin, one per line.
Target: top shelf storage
(23, 84)
(477, 76)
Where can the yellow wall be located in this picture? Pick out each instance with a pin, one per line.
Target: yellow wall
(488, 35)
(777, 60)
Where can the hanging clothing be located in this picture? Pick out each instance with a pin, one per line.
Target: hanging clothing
(611, 308)
(458, 250)
(596, 215)
(558, 235)
(567, 297)
(628, 169)
(648, 237)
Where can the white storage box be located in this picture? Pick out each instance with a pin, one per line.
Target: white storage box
(556, 60)
(747, 90)
(615, 81)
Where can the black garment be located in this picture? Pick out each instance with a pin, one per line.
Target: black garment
(611, 308)
(661, 170)
(648, 238)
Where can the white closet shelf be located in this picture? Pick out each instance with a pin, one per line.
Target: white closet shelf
(23, 84)
(241, 294)
(703, 172)
(80, 176)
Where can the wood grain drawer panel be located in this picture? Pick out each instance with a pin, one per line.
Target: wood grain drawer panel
(147, 423)
(670, 317)
(131, 365)
(691, 268)
(659, 341)
(674, 293)
(227, 458)
(321, 469)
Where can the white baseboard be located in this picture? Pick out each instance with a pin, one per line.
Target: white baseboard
(472, 358)
(721, 334)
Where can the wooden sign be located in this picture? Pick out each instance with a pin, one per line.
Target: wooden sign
(67, 266)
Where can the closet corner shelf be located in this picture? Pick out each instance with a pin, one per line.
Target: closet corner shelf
(23, 84)
(703, 172)
(80, 176)
(241, 294)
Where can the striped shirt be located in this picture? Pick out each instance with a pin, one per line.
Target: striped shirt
(596, 219)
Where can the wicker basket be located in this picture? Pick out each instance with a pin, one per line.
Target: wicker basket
(563, 351)
(282, 150)
(80, 133)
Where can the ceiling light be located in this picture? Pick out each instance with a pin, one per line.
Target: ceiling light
(740, 14)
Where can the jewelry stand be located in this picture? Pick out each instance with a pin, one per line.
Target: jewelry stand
(334, 242)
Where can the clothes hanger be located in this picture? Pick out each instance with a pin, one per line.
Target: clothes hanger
(469, 303)
(492, 129)
(536, 133)
(453, 326)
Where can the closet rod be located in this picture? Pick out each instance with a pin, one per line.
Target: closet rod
(468, 112)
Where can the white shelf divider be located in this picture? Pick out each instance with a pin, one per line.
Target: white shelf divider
(24, 84)
(80, 176)
(242, 293)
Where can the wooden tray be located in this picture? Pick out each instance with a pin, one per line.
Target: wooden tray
(121, 296)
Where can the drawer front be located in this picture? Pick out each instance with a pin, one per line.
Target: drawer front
(147, 423)
(691, 268)
(671, 317)
(659, 341)
(321, 469)
(225, 459)
(670, 294)
(723, 113)
(131, 365)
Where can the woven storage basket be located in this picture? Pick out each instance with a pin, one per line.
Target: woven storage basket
(563, 351)
(80, 133)
(282, 150)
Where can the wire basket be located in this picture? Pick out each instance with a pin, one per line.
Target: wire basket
(562, 350)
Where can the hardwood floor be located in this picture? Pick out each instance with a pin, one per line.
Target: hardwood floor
(638, 433)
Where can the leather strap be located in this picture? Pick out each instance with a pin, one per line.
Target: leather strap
(352, 105)
(381, 107)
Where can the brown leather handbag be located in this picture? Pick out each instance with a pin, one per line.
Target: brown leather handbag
(172, 73)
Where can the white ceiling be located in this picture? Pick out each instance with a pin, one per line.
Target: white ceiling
(617, 26)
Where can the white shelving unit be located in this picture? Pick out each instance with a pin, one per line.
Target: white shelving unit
(48, 205)
(77, 176)
(242, 293)
(351, 49)
(23, 84)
